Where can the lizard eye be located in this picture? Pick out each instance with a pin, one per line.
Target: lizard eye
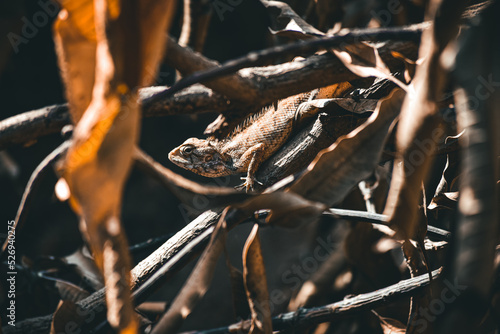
(208, 158)
(187, 150)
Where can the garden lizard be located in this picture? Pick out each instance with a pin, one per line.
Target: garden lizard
(249, 144)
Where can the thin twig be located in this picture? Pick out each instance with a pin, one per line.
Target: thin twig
(376, 218)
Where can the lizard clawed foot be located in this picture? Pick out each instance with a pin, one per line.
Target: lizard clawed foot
(248, 184)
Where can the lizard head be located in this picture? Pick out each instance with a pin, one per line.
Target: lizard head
(201, 157)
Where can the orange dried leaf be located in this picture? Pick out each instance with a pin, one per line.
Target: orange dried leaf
(254, 275)
(81, 12)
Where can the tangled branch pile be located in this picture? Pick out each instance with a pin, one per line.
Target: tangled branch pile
(401, 154)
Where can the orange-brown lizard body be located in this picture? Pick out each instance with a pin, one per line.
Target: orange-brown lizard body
(247, 146)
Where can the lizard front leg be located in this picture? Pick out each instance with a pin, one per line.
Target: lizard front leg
(255, 155)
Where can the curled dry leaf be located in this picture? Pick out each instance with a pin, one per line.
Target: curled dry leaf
(359, 106)
(66, 317)
(390, 326)
(240, 302)
(445, 200)
(287, 23)
(448, 182)
(351, 159)
(103, 100)
(254, 275)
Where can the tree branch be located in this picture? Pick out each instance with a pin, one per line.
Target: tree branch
(406, 33)
(186, 61)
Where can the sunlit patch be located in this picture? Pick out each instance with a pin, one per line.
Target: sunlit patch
(113, 226)
(63, 14)
(469, 204)
(185, 311)
(62, 190)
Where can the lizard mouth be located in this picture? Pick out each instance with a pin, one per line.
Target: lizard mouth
(213, 168)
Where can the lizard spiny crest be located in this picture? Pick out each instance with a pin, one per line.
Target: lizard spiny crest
(249, 121)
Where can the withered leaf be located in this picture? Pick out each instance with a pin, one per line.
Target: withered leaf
(420, 128)
(102, 94)
(444, 200)
(288, 23)
(66, 317)
(254, 275)
(69, 291)
(240, 302)
(360, 106)
(390, 326)
(84, 265)
(82, 16)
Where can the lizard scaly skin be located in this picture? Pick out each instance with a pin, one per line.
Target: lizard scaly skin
(247, 147)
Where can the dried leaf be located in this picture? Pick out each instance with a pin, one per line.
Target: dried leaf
(288, 23)
(363, 59)
(82, 16)
(360, 106)
(84, 265)
(390, 326)
(420, 127)
(240, 303)
(74, 36)
(102, 94)
(66, 318)
(351, 159)
(444, 200)
(254, 275)
(69, 291)
(451, 171)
